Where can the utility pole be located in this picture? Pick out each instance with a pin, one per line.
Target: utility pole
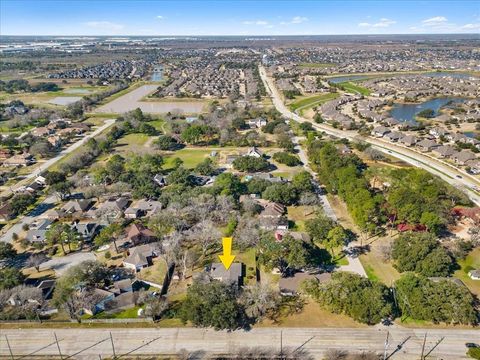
(434, 346)
(281, 344)
(9, 348)
(113, 346)
(423, 346)
(386, 347)
(58, 346)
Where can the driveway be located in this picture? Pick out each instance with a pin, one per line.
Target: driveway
(61, 264)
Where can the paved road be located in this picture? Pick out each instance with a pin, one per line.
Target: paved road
(60, 155)
(454, 176)
(96, 342)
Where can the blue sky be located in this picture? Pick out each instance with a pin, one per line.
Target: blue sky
(128, 17)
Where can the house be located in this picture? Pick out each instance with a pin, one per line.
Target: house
(86, 230)
(444, 151)
(41, 131)
(145, 208)
(438, 132)
(271, 217)
(229, 161)
(132, 213)
(112, 208)
(77, 206)
(160, 180)
(253, 151)
(140, 257)
(462, 157)
(139, 234)
(256, 123)
(408, 140)
(474, 166)
(47, 287)
(24, 159)
(394, 136)
(102, 298)
(427, 145)
(54, 214)
(474, 274)
(380, 131)
(37, 232)
(290, 286)
(6, 212)
(234, 274)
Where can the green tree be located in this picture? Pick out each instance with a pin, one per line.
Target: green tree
(10, 277)
(283, 193)
(6, 251)
(206, 167)
(250, 164)
(336, 237)
(212, 305)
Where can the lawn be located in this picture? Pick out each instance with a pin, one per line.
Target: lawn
(311, 101)
(155, 273)
(298, 215)
(249, 259)
(376, 268)
(158, 124)
(131, 313)
(312, 315)
(191, 157)
(471, 262)
(354, 89)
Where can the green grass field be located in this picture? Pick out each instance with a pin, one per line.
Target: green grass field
(354, 88)
(471, 262)
(311, 101)
(315, 65)
(191, 157)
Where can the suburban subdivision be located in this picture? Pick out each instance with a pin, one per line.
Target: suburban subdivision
(254, 196)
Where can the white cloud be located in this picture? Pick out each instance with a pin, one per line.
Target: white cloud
(255, 22)
(160, 17)
(471, 26)
(104, 25)
(435, 21)
(295, 20)
(382, 23)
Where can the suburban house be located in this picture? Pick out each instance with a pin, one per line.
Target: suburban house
(140, 257)
(24, 159)
(234, 274)
(290, 286)
(112, 208)
(139, 234)
(408, 140)
(427, 145)
(256, 123)
(103, 297)
(253, 151)
(474, 274)
(5, 212)
(143, 208)
(380, 131)
(444, 151)
(86, 230)
(77, 206)
(463, 156)
(160, 180)
(38, 231)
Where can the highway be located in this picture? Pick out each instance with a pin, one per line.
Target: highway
(454, 176)
(89, 343)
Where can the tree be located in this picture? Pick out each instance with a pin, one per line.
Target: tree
(6, 251)
(421, 252)
(250, 164)
(433, 222)
(336, 237)
(228, 184)
(286, 159)
(205, 167)
(166, 143)
(62, 189)
(36, 260)
(212, 304)
(437, 301)
(179, 176)
(285, 194)
(353, 295)
(20, 203)
(260, 300)
(155, 307)
(10, 277)
(303, 181)
(108, 234)
(60, 234)
(319, 227)
(53, 177)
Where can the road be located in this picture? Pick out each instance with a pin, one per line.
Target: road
(44, 166)
(96, 343)
(454, 176)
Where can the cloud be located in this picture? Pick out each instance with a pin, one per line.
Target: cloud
(471, 26)
(435, 21)
(382, 23)
(255, 22)
(295, 20)
(104, 25)
(160, 17)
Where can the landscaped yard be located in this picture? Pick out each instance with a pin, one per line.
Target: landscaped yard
(471, 262)
(156, 273)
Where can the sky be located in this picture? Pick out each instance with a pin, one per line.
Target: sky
(245, 17)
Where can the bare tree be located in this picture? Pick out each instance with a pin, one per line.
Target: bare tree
(206, 234)
(36, 260)
(155, 307)
(78, 301)
(260, 300)
(334, 354)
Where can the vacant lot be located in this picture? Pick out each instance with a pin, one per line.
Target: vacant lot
(133, 100)
(308, 102)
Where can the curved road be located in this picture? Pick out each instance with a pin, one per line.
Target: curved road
(454, 176)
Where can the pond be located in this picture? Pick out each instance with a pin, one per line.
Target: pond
(407, 112)
(157, 74)
(453, 74)
(64, 100)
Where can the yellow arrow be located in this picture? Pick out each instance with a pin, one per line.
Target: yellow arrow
(227, 257)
